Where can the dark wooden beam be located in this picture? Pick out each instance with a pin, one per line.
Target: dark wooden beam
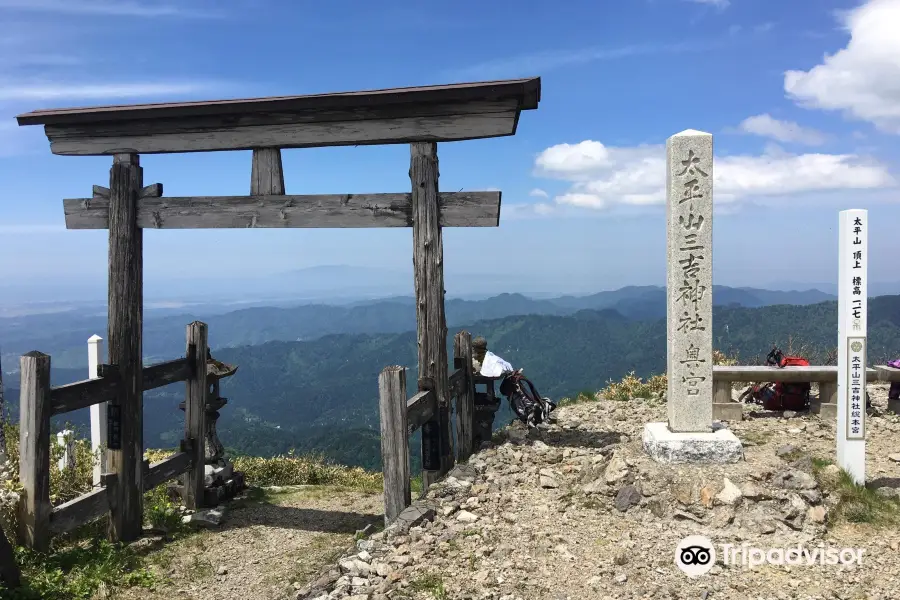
(164, 373)
(428, 267)
(166, 469)
(80, 510)
(458, 209)
(420, 409)
(465, 396)
(401, 115)
(154, 190)
(196, 390)
(81, 394)
(125, 347)
(10, 574)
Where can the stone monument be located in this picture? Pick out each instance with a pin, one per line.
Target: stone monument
(690, 434)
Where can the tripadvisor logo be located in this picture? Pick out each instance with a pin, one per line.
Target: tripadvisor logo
(695, 555)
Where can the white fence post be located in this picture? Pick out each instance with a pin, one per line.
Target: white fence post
(66, 439)
(98, 411)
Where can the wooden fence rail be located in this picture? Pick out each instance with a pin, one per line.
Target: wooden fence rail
(402, 416)
(39, 402)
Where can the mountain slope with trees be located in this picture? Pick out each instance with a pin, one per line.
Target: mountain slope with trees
(322, 395)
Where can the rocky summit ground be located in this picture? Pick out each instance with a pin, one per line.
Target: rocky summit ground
(578, 511)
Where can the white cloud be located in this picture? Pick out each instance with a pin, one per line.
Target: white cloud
(17, 91)
(637, 176)
(784, 131)
(570, 159)
(122, 8)
(863, 79)
(538, 193)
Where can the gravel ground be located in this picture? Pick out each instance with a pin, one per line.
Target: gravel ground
(580, 512)
(263, 548)
(577, 511)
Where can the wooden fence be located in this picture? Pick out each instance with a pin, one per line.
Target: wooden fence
(39, 402)
(402, 416)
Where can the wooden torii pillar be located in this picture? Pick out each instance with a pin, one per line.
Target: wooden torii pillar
(419, 116)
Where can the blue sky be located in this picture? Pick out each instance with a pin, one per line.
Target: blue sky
(801, 96)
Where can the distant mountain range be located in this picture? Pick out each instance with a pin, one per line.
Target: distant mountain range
(321, 394)
(64, 335)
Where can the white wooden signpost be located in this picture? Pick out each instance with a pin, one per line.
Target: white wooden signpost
(852, 309)
(98, 411)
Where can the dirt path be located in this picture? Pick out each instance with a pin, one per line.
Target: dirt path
(263, 547)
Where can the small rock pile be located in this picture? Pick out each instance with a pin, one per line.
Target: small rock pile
(579, 511)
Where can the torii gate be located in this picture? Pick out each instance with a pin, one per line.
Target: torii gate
(420, 116)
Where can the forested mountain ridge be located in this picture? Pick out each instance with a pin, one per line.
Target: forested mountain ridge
(63, 335)
(322, 395)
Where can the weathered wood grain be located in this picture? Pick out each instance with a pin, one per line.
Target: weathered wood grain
(394, 441)
(81, 394)
(465, 397)
(266, 174)
(400, 123)
(80, 510)
(526, 92)
(65, 141)
(428, 266)
(99, 191)
(125, 345)
(420, 409)
(195, 392)
(458, 209)
(457, 379)
(154, 190)
(34, 450)
(166, 469)
(164, 373)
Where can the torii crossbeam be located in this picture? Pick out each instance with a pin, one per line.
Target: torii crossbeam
(420, 116)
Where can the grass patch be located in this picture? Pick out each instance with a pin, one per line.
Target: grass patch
(757, 438)
(857, 503)
(631, 386)
(820, 463)
(80, 565)
(77, 572)
(793, 456)
(431, 583)
(294, 469)
(415, 485)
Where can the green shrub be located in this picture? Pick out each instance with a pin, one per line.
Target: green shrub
(294, 469)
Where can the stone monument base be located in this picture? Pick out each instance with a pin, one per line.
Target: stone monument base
(222, 482)
(717, 446)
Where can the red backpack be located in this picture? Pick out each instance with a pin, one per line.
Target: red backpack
(781, 396)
